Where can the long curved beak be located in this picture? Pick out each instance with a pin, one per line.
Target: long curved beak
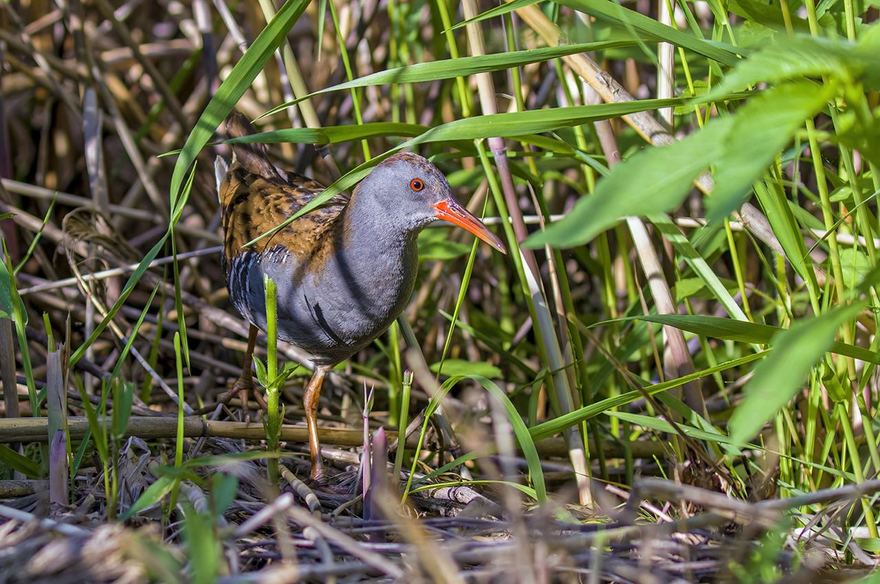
(450, 210)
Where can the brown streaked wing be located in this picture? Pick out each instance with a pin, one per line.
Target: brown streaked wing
(253, 205)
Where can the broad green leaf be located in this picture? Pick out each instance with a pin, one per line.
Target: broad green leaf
(766, 12)
(461, 67)
(464, 368)
(791, 59)
(653, 181)
(763, 127)
(746, 332)
(203, 547)
(779, 377)
(657, 180)
(224, 488)
(855, 266)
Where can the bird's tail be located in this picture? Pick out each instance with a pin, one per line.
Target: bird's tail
(252, 157)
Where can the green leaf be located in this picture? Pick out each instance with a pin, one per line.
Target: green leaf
(152, 496)
(646, 25)
(766, 12)
(203, 547)
(791, 59)
(685, 249)
(224, 487)
(630, 20)
(460, 67)
(855, 266)
(10, 303)
(779, 377)
(653, 181)
(495, 12)
(763, 127)
(778, 211)
(661, 425)
(331, 134)
(20, 463)
(463, 368)
(521, 431)
(560, 423)
(123, 397)
(746, 332)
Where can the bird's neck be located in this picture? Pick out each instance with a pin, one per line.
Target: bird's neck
(377, 258)
(369, 226)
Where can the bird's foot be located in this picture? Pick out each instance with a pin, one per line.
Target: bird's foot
(316, 473)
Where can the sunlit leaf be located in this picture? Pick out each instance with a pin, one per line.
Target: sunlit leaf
(779, 377)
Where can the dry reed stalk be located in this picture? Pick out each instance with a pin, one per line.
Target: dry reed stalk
(35, 430)
(7, 368)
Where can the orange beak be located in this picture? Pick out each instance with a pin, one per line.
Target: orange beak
(450, 210)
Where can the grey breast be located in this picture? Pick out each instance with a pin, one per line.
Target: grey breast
(331, 313)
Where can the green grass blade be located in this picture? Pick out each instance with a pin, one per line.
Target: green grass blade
(608, 10)
(526, 442)
(747, 332)
(462, 66)
(152, 495)
(512, 124)
(332, 134)
(17, 462)
(230, 91)
(560, 423)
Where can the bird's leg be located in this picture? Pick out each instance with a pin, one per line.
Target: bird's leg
(244, 385)
(310, 402)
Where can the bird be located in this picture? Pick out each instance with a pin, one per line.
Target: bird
(343, 272)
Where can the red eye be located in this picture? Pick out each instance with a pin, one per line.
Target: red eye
(416, 184)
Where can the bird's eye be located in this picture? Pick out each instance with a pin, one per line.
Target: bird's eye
(416, 184)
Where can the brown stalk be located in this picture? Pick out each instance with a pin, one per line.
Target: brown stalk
(44, 194)
(556, 344)
(36, 430)
(7, 368)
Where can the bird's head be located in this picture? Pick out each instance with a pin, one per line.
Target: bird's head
(413, 192)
